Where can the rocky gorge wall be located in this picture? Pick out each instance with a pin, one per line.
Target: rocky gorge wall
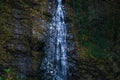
(95, 25)
(23, 34)
(92, 26)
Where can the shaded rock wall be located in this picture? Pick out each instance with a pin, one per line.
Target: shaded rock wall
(94, 23)
(24, 34)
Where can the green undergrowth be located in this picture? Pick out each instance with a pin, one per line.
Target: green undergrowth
(95, 46)
(10, 74)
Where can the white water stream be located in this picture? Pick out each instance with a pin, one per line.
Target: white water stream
(55, 61)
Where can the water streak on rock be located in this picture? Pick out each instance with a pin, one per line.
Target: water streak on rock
(54, 65)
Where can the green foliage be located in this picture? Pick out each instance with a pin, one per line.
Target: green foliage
(89, 32)
(83, 19)
(96, 51)
(96, 46)
(97, 28)
(8, 71)
(1, 78)
(22, 77)
(11, 75)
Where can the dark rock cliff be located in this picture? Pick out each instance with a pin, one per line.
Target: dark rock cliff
(23, 28)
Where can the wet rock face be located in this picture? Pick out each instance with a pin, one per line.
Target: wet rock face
(22, 52)
(29, 35)
(73, 55)
(71, 45)
(24, 64)
(70, 36)
(20, 44)
(21, 33)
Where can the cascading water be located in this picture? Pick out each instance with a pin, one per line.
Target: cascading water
(55, 64)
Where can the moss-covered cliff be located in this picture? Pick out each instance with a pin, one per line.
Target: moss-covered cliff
(95, 24)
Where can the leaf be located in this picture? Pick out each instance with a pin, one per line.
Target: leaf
(22, 76)
(8, 70)
(0, 78)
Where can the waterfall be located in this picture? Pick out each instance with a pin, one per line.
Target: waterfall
(55, 64)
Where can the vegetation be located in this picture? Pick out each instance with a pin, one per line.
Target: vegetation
(97, 29)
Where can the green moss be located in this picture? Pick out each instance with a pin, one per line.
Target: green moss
(1, 78)
(88, 31)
